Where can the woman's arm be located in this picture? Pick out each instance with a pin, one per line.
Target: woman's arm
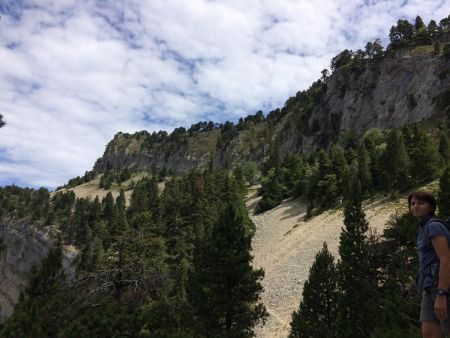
(440, 246)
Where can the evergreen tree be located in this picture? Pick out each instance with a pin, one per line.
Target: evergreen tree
(418, 24)
(326, 189)
(340, 168)
(400, 302)
(2, 122)
(395, 322)
(293, 170)
(120, 223)
(273, 190)
(42, 310)
(374, 149)
(238, 174)
(443, 198)
(396, 161)
(251, 172)
(311, 180)
(225, 289)
(444, 146)
(364, 174)
(357, 300)
(424, 156)
(316, 316)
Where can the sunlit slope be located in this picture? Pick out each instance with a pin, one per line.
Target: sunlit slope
(92, 189)
(285, 247)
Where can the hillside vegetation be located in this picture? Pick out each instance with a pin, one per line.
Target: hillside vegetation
(164, 238)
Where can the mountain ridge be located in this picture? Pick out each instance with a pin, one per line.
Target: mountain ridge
(406, 86)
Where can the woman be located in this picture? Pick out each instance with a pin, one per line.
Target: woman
(434, 261)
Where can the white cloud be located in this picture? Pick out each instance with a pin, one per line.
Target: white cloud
(75, 73)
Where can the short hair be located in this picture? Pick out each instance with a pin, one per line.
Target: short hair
(423, 196)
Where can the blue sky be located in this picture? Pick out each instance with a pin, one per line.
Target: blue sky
(74, 73)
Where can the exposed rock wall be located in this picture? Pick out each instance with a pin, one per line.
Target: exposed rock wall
(22, 246)
(403, 88)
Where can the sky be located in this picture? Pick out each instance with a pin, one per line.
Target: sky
(74, 73)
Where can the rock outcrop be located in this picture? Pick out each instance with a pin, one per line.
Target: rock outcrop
(407, 86)
(22, 246)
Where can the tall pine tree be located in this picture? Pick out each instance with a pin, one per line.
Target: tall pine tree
(443, 198)
(357, 300)
(397, 162)
(224, 287)
(316, 316)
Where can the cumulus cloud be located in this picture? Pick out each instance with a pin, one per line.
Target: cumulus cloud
(75, 73)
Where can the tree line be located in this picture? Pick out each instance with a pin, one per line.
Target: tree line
(384, 161)
(371, 291)
(174, 263)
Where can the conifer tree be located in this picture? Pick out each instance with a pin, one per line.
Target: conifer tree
(293, 170)
(251, 172)
(42, 310)
(316, 316)
(364, 174)
(120, 223)
(396, 161)
(2, 122)
(340, 168)
(327, 189)
(425, 158)
(224, 287)
(444, 146)
(273, 190)
(443, 198)
(179, 239)
(357, 300)
(376, 169)
(395, 322)
(238, 174)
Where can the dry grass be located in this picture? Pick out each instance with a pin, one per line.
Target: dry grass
(91, 189)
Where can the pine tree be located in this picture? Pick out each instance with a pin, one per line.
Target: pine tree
(326, 189)
(444, 146)
(340, 168)
(316, 316)
(443, 198)
(357, 300)
(293, 170)
(396, 161)
(238, 174)
(425, 158)
(224, 288)
(120, 222)
(273, 190)
(364, 174)
(42, 310)
(251, 172)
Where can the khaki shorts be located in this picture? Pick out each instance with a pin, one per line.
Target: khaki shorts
(427, 310)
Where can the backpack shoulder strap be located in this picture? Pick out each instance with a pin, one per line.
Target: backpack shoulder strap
(444, 222)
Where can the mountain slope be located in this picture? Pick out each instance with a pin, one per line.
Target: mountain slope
(285, 247)
(407, 85)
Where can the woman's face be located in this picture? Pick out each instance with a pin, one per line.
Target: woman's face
(420, 209)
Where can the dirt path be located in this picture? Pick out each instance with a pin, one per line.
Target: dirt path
(285, 246)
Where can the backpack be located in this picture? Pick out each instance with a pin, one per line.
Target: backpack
(445, 222)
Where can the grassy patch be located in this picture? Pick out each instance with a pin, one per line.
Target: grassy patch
(422, 50)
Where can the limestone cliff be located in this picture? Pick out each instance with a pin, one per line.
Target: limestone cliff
(406, 86)
(22, 246)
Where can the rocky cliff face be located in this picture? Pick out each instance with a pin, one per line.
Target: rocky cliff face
(22, 246)
(405, 87)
